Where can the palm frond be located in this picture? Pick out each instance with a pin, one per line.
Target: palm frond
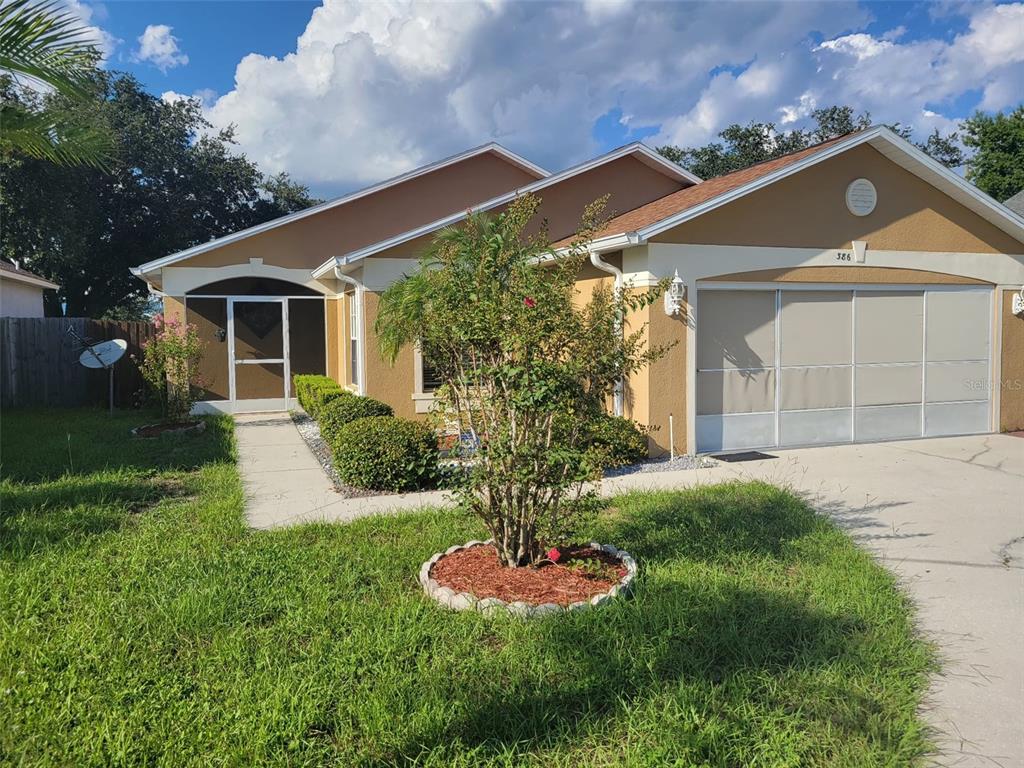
(45, 43)
(52, 135)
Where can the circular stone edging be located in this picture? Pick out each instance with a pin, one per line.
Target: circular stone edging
(466, 601)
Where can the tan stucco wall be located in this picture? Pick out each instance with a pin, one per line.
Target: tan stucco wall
(332, 319)
(174, 307)
(808, 210)
(629, 182)
(392, 384)
(309, 242)
(867, 275)
(1011, 397)
(658, 390)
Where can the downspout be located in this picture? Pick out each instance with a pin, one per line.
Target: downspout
(611, 269)
(357, 297)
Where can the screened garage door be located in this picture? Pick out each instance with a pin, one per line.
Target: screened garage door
(792, 367)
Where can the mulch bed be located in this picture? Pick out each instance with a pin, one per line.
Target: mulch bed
(155, 430)
(478, 571)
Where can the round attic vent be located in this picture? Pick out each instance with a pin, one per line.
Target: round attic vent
(861, 197)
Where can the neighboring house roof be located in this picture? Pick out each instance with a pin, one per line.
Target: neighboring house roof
(640, 151)
(10, 272)
(1016, 203)
(636, 226)
(492, 147)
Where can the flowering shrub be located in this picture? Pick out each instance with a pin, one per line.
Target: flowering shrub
(168, 363)
(525, 368)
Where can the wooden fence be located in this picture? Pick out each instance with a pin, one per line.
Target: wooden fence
(39, 362)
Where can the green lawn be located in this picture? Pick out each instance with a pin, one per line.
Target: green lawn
(142, 623)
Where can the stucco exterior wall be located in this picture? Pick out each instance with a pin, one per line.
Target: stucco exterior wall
(1011, 394)
(332, 319)
(20, 299)
(392, 384)
(309, 242)
(873, 275)
(808, 210)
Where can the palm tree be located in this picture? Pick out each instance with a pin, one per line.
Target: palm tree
(46, 48)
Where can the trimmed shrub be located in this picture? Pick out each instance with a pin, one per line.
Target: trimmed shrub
(615, 441)
(313, 391)
(337, 412)
(385, 453)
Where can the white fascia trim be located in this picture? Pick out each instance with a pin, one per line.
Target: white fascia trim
(1012, 223)
(646, 155)
(39, 282)
(513, 158)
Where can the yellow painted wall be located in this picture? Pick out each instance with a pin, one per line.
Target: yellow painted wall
(332, 319)
(174, 307)
(1011, 398)
(866, 275)
(392, 384)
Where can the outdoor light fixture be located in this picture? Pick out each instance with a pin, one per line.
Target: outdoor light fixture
(1018, 302)
(674, 296)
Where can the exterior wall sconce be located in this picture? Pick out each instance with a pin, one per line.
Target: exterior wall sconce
(675, 295)
(1018, 302)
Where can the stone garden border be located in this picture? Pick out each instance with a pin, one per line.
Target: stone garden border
(466, 601)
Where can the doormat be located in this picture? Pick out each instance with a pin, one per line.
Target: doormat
(743, 456)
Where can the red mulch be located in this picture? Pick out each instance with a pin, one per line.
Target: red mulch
(1018, 433)
(477, 570)
(155, 430)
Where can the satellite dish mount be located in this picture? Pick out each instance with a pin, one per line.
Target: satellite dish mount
(101, 354)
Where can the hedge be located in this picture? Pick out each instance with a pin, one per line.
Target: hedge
(336, 413)
(314, 391)
(386, 453)
(615, 441)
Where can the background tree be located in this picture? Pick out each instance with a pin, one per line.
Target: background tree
(525, 369)
(171, 184)
(997, 165)
(42, 45)
(745, 145)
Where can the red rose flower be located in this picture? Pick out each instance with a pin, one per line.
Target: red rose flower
(529, 302)
(553, 555)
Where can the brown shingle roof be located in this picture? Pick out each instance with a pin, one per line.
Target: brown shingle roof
(676, 202)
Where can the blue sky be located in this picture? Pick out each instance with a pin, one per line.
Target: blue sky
(341, 94)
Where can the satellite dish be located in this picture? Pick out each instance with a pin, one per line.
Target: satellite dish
(104, 354)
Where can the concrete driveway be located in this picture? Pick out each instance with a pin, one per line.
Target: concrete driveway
(947, 515)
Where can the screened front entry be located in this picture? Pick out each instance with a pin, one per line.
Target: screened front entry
(792, 367)
(254, 341)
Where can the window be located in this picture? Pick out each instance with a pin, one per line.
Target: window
(430, 379)
(353, 332)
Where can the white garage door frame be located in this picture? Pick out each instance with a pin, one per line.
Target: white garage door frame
(703, 444)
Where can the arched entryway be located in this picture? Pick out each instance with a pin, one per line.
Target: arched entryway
(257, 333)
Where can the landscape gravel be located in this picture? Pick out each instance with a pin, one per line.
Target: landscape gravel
(662, 465)
(310, 432)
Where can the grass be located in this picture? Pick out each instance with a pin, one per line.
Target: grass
(142, 623)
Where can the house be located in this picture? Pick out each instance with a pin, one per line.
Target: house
(21, 292)
(1016, 203)
(852, 291)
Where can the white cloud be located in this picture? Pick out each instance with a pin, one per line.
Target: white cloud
(104, 41)
(374, 89)
(160, 48)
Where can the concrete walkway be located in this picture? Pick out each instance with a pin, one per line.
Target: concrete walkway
(946, 515)
(284, 484)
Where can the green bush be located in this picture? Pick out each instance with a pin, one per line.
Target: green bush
(385, 453)
(314, 391)
(616, 441)
(336, 413)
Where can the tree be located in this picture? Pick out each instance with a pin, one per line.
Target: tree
(997, 166)
(171, 184)
(525, 368)
(48, 47)
(745, 145)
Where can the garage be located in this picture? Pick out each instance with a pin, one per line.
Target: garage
(823, 364)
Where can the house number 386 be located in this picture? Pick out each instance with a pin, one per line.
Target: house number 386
(844, 256)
